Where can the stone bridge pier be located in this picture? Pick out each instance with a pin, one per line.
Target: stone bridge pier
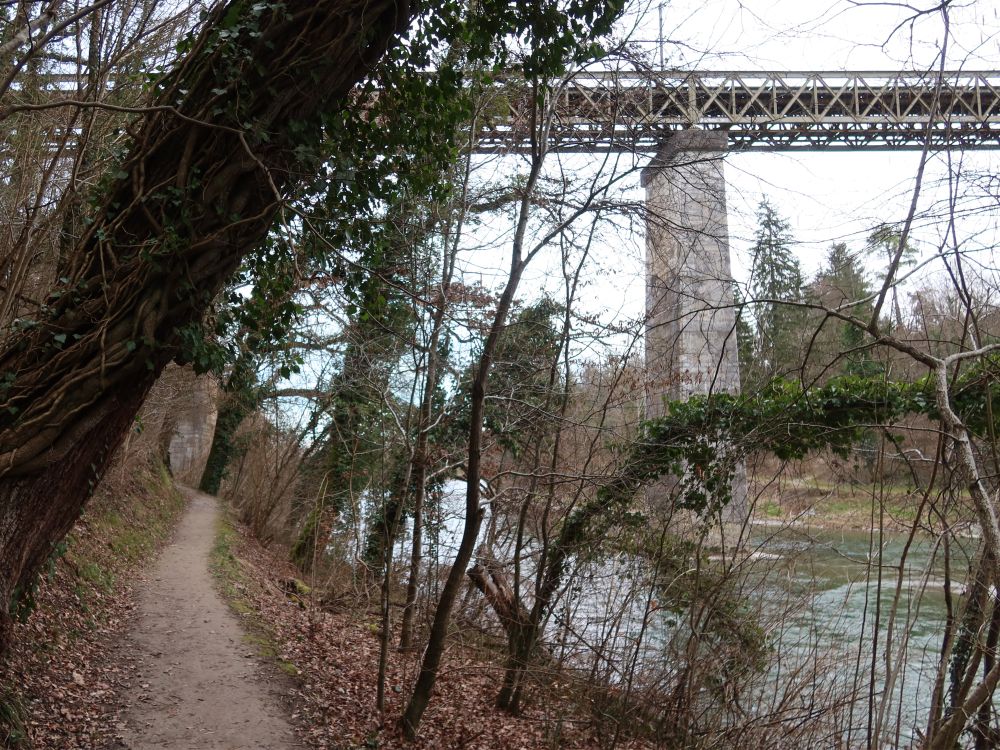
(193, 427)
(691, 345)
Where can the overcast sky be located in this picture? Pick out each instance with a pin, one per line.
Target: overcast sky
(822, 34)
(831, 196)
(826, 196)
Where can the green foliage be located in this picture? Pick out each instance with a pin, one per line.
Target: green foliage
(842, 284)
(775, 277)
(744, 334)
(373, 159)
(884, 243)
(420, 97)
(243, 394)
(552, 34)
(250, 334)
(353, 443)
(304, 547)
(694, 441)
(196, 348)
(383, 524)
(519, 391)
(701, 440)
(382, 166)
(262, 318)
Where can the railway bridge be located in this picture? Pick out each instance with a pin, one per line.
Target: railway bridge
(687, 121)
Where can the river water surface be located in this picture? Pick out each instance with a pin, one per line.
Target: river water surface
(835, 577)
(822, 595)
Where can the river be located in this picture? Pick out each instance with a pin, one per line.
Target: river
(817, 595)
(835, 576)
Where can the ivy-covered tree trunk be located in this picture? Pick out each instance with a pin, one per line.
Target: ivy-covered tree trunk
(242, 397)
(233, 126)
(420, 463)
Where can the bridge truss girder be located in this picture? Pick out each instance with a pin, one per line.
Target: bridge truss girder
(760, 111)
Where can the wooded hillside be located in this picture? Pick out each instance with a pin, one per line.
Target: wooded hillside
(450, 520)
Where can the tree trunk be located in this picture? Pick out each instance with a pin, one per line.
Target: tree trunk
(232, 128)
(39, 509)
(473, 468)
(419, 463)
(232, 413)
(473, 512)
(416, 555)
(986, 736)
(948, 732)
(419, 460)
(494, 587)
(518, 626)
(241, 397)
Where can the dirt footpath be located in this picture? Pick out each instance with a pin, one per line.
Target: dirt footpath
(197, 683)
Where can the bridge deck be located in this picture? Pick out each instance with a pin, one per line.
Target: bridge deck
(788, 111)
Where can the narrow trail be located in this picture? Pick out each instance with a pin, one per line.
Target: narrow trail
(197, 683)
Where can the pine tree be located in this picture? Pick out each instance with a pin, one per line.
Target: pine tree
(775, 279)
(842, 281)
(883, 243)
(744, 336)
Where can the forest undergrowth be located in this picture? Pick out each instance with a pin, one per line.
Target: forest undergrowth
(333, 648)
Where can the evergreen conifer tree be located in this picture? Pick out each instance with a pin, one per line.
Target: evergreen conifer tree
(775, 280)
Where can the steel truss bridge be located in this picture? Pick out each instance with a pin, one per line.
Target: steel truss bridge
(763, 111)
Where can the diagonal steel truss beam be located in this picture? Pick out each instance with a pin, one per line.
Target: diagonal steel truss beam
(786, 111)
